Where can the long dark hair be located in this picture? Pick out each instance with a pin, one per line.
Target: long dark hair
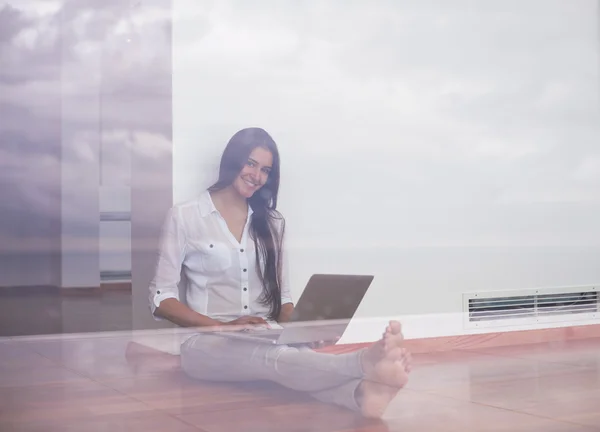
(263, 225)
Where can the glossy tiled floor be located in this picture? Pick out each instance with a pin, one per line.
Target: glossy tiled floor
(96, 384)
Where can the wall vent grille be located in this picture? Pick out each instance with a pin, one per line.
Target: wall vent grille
(489, 309)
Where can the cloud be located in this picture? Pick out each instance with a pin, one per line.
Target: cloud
(12, 21)
(588, 170)
(30, 45)
(79, 80)
(472, 112)
(467, 80)
(479, 116)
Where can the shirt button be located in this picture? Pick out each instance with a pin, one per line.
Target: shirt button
(245, 289)
(245, 307)
(212, 245)
(158, 292)
(242, 250)
(245, 270)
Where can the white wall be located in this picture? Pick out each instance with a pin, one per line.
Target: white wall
(445, 147)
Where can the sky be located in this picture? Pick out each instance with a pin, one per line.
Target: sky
(399, 123)
(81, 81)
(417, 123)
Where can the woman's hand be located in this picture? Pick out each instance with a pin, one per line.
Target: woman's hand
(245, 322)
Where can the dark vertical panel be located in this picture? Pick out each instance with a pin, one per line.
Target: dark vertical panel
(30, 150)
(151, 165)
(30, 174)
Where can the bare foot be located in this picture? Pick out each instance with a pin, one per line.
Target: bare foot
(379, 360)
(374, 397)
(387, 365)
(393, 337)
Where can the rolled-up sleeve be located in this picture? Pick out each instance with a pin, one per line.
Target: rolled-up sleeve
(171, 253)
(286, 295)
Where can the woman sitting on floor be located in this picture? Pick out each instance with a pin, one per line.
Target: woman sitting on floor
(229, 245)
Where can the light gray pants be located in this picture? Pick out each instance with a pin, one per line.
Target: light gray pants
(329, 378)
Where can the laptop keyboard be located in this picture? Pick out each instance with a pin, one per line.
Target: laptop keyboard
(263, 332)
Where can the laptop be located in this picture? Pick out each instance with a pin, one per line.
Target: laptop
(322, 313)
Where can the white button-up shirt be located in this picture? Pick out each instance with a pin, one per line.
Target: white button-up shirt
(219, 273)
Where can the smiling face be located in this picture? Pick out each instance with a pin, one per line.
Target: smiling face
(255, 172)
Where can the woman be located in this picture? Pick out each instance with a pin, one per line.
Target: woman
(229, 246)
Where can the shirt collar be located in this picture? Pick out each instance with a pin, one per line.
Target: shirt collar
(207, 206)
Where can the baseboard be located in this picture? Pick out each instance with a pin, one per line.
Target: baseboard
(28, 290)
(124, 287)
(116, 286)
(489, 340)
